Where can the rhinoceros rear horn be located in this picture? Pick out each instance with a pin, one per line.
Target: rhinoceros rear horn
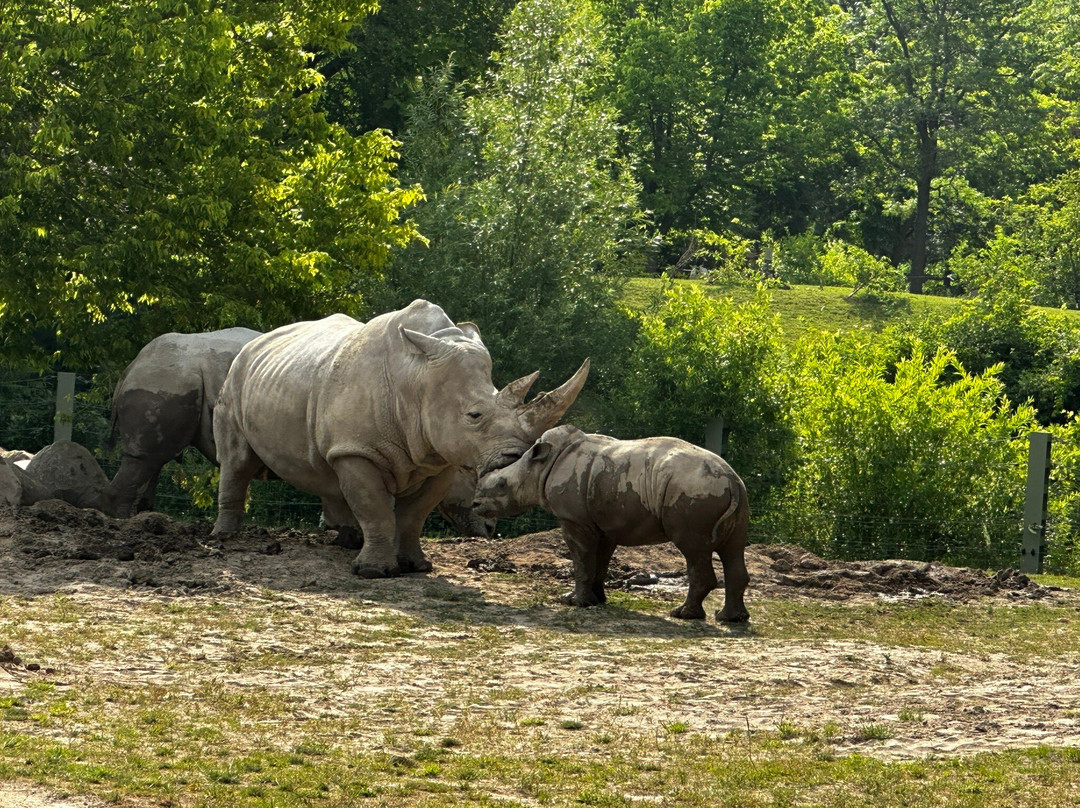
(513, 395)
(544, 411)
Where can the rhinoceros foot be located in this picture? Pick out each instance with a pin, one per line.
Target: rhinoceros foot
(349, 537)
(414, 564)
(686, 612)
(584, 600)
(365, 569)
(732, 616)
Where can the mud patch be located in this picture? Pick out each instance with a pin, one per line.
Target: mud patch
(53, 545)
(776, 570)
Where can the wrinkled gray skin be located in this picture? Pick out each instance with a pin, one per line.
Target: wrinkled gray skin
(608, 493)
(164, 403)
(374, 419)
(455, 508)
(64, 470)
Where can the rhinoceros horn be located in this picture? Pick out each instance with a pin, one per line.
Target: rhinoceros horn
(513, 395)
(544, 411)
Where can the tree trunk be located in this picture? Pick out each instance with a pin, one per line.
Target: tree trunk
(927, 172)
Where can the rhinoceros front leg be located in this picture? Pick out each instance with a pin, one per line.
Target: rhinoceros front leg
(584, 544)
(412, 511)
(372, 505)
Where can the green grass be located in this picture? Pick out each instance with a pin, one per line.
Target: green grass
(276, 712)
(805, 309)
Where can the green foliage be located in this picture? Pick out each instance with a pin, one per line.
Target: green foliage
(698, 358)
(532, 218)
(915, 458)
(859, 269)
(1063, 506)
(165, 167)
(942, 88)
(1038, 349)
(371, 85)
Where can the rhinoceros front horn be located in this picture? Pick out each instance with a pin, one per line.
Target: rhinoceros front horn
(544, 411)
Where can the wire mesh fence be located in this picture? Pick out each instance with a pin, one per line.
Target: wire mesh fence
(186, 491)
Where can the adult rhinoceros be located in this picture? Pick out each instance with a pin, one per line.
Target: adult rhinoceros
(162, 404)
(374, 419)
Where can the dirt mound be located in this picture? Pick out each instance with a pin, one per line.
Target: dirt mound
(53, 545)
(776, 570)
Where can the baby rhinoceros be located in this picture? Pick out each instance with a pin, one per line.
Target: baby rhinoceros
(608, 493)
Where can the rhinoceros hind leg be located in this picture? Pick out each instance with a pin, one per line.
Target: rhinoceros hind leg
(135, 481)
(702, 578)
(349, 537)
(575, 599)
(732, 555)
(239, 464)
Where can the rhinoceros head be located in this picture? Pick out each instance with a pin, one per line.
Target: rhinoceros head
(466, 420)
(516, 488)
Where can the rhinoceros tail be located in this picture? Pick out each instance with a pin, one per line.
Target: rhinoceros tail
(731, 528)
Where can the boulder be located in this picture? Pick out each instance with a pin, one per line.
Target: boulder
(66, 470)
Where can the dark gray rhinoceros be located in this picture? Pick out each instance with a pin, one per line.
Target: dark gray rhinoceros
(375, 419)
(164, 403)
(608, 493)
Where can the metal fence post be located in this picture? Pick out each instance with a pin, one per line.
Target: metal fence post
(65, 406)
(716, 436)
(1038, 479)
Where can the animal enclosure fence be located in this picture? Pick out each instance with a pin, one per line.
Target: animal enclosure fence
(848, 530)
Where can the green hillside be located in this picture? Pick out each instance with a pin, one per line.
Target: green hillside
(809, 308)
(804, 308)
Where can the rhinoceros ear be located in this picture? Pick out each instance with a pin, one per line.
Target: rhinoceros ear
(513, 395)
(540, 451)
(432, 347)
(544, 411)
(471, 330)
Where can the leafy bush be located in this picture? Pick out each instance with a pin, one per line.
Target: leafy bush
(857, 268)
(698, 358)
(1063, 505)
(800, 259)
(915, 458)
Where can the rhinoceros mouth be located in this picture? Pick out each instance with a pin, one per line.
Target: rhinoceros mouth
(500, 460)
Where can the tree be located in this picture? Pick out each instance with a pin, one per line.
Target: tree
(371, 85)
(947, 86)
(731, 109)
(164, 166)
(531, 216)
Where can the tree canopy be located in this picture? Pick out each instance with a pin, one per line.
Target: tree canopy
(165, 166)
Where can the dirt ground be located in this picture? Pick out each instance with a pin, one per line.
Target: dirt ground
(726, 684)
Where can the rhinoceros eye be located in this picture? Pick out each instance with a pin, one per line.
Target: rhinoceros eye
(474, 416)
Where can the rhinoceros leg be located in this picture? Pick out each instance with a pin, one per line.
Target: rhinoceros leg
(132, 489)
(411, 512)
(583, 543)
(338, 517)
(702, 576)
(732, 534)
(373, 506)
(239, 464)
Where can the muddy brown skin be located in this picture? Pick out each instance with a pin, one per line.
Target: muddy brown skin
(164, 403)
(608, 493)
